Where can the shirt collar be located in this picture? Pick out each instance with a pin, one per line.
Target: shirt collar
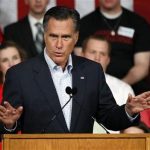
(33, 20)
(53, 66)
(111, 16)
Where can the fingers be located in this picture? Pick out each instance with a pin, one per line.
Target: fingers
(148, 102)
(7, 111)
(129, 98)
(19, 110)
(144, 95)
(2, 109)
(7, 105)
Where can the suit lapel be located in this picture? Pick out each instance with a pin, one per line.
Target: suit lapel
(28, 36)
(45, 82)
(79, 81)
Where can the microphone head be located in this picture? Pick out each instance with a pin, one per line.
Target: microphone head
(68, 90)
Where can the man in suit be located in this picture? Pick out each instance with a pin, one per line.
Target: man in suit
(35, 89)
(25, 31)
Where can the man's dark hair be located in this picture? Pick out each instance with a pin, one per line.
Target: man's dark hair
(96, 37)
(62, 13)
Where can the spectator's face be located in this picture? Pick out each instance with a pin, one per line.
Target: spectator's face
(133, 130)
(8, 58)
(37, 6)
(60, 39)
(98, 51)
(109, 4)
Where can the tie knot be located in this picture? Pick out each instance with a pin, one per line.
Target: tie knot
(38, 25)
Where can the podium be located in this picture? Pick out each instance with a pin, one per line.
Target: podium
(76, 142)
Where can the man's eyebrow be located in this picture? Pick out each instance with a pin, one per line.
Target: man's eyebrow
(53, 35)
(66, 35)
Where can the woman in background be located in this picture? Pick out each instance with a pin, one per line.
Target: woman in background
(10, 55)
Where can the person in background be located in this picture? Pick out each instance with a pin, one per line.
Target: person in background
(145, 117)
(141, 128)
(129, 37)
(28, 32)
(98, 49)
(10, 55)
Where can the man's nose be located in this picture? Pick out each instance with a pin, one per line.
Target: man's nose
(59, 43)
(97, 58)
(11, 63)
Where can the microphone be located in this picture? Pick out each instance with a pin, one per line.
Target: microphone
(71, 92)
(74, 90)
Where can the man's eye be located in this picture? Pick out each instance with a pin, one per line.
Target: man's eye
(66, 38)
(53, 36)
(4, 60)
(92, 52)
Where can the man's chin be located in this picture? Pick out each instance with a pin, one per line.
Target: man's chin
(59, 61)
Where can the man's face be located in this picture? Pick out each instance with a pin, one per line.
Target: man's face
(109, 4)
(60, 38)
(37, 6)
(98, 51)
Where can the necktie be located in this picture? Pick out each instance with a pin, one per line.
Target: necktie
(39, 38)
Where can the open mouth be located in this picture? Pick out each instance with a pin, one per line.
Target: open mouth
(58, 54)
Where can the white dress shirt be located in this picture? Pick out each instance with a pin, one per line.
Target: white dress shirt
(120, 91)
(61, 80)
(33, 22)
(119, 88)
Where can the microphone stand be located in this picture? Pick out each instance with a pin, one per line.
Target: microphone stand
(55, 115)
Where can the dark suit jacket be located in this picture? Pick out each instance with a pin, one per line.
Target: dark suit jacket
(30, 84)
(20, 32)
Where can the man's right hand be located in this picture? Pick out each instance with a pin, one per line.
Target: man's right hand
(9, 115)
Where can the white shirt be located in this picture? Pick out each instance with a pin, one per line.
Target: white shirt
(61, 80)
(32, 22)
(120, 91)
(119, 88)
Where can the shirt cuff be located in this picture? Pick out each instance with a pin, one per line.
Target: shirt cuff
(130, 117)
(11, 130)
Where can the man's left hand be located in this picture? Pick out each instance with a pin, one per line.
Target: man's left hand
(138, 103)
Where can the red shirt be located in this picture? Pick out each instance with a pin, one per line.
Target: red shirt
(145, 117)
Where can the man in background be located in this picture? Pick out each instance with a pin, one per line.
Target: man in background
(98, 49)
(28, 32)
(129, 35)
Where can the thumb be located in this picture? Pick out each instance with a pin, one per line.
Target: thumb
(19, 110)
(129, 98)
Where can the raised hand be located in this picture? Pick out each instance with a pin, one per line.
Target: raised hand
(138, 103)
(9, 115)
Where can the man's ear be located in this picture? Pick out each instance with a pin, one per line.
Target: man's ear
(76, 36)
(108, 61)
